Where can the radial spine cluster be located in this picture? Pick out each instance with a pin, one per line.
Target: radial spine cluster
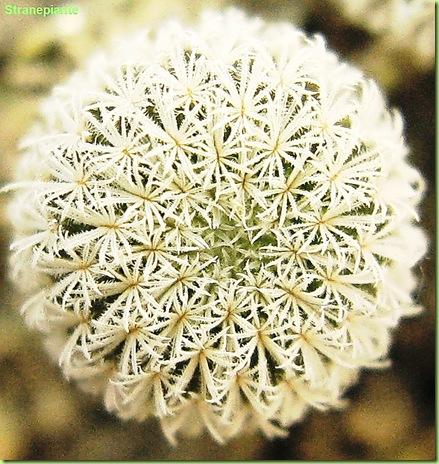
(215, 226)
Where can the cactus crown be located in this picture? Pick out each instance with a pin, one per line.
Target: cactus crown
(212, 227)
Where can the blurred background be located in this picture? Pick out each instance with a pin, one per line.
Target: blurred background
(391, 414)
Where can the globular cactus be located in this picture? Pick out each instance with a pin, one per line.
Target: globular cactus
(216, 226)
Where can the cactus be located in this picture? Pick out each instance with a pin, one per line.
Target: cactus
(215, 226)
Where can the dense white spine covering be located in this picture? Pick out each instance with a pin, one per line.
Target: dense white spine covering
(216, 225)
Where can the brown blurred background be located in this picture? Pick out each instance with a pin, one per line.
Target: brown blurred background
(391, 413)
